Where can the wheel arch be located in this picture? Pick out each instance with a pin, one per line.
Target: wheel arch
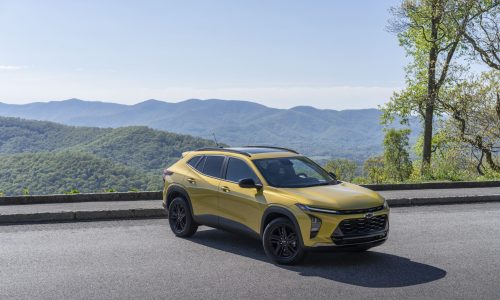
(274, 212)
(174, 191)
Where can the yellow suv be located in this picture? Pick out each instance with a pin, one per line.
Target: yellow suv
(276, 195)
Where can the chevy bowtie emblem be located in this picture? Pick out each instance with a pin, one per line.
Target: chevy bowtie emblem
(368, 215)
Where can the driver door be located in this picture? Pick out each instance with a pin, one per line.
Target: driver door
(240, 207)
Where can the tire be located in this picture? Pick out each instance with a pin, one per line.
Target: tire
(180, 218)
(282, 243)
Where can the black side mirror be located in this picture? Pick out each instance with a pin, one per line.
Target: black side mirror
(249, 183)
(333, 175)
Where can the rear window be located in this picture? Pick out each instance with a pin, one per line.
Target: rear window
(213, 165)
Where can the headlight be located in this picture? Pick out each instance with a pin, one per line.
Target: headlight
(315, 225)
(318, 210)
(386, 205)
(315, 221)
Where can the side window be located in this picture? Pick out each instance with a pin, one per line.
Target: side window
(238, 169)
(213, 166)
(193, 161)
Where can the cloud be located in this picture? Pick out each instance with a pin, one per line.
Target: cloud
(7, 67)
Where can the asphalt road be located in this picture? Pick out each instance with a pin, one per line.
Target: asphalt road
(431, 193)
(434, 252)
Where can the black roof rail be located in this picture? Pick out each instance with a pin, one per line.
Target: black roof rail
(224, 150)
(272, 147)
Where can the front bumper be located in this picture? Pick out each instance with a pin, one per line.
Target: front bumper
(346, 231)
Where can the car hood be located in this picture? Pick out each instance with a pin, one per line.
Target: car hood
(342, 196)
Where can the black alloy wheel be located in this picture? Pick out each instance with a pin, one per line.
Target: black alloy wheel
(180, 218)
(281, 242)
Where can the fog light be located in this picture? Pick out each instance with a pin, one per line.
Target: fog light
(315, 226)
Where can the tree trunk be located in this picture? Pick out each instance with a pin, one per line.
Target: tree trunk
(427, 146)
(432, 90)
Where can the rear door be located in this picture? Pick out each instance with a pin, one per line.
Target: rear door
(203, 186)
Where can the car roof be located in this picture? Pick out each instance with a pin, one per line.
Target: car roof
(257, 150)
(252, 150)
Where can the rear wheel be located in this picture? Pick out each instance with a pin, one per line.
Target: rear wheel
(180, 218)
(281, 242)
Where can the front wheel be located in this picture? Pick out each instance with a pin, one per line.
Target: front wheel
(281, 242)
(180, 218)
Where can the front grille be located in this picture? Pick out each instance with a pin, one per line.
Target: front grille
(360, 211)
(363, 226)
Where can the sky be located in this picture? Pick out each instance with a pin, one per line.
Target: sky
(327, 54)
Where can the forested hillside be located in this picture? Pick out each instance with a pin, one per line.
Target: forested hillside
(142, 147)
(44, 157)
(19, 135)
(60, 172)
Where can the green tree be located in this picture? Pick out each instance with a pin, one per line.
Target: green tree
(398, 165)
(483, 36)
(344, 169)
(432, 34)
(452, 159)
(474, 107)
(374, 169)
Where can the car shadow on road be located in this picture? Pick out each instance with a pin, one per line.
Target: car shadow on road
(368, 269)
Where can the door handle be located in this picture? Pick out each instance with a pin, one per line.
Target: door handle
(191, 180)
(225, 189)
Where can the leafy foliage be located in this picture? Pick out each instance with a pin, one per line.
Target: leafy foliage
(397, 163)
(344, 169)
(474, 107)
(374, 169)
(432, 34)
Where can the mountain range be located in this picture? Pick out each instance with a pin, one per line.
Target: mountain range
(321, 133)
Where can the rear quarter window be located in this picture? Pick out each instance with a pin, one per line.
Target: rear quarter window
(194, 161)
(201, 163)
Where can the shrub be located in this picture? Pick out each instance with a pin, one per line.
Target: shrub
(344, 169)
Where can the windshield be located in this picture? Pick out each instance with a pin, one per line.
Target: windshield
(292, 172)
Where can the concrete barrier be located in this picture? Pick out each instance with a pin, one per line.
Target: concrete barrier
(90, 197)
(432, 185)
(78, 216)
